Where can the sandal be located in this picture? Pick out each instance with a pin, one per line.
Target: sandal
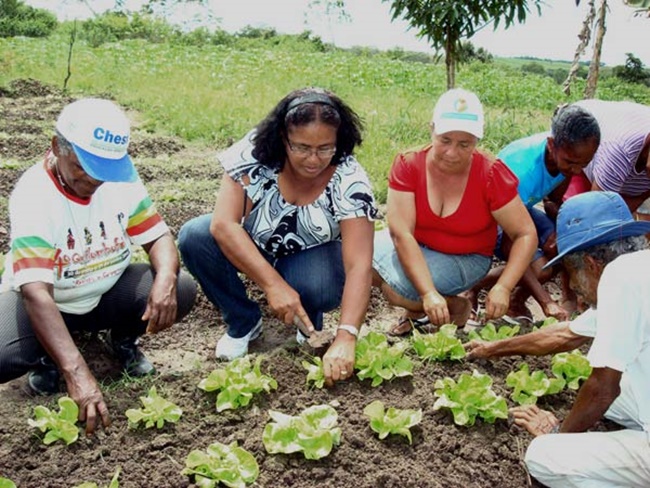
(402, 328)
(460, 309)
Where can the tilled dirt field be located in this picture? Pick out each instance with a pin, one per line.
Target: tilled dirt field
(183, 179)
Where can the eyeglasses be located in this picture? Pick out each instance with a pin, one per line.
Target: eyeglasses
(306, 151)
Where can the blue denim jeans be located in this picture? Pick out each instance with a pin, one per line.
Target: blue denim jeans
(451, 273)
(316, 274)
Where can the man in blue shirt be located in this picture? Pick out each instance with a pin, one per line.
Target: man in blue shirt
(542, 162)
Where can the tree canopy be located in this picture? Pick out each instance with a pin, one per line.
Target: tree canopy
(445, 23)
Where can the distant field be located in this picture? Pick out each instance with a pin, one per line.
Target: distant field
(216, 93)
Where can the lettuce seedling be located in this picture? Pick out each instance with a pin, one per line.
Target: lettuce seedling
(315, 373)
(440, 345)
(490, 333)
(573, 367)
(238, 382)
(7, 483)
(155, 411)
(113, 484)
(392, 420)
(545, 323)
(529, 387)
(229, 464)
(58, 425)
(375, 359)
(472, 396)
(313, 432)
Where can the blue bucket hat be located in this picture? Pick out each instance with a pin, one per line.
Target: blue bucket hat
(593, 218)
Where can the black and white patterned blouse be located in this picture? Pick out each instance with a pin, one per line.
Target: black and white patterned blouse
(281, 228)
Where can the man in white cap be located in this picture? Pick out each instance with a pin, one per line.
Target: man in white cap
(605, 252)
(74, 217)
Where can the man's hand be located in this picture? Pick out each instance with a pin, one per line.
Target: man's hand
(435, 306)
(84, 390)
(550, 246)
(477, 349)
(534, 419)
(552, 309)
(161, 304)
(338, 361)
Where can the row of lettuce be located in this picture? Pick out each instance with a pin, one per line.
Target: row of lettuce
(315, 432)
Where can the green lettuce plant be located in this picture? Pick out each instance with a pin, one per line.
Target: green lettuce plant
(527, 387)
(376, 360)
(314, 432)
(315, 373)
(155, 411)
(392, 420)
(229, 464)
(491, 333)
(545, 323)
(113, 484)
(238, 382)
(470, 397)
(573, 367)
(7, 483)
(59, 425)
(440, 345)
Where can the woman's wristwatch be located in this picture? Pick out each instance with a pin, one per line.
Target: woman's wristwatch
(349, 328)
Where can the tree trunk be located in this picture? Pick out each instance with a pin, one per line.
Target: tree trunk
(450, 62)
(601, 28)
(585, 37)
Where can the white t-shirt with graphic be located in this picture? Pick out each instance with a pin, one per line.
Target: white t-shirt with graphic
(81, 246)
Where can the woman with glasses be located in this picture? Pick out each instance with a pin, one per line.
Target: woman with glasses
(294, 214)
(444, 203)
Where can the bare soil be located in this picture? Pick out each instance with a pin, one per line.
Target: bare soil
(442, 454)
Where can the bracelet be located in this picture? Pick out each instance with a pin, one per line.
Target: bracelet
(349, 328)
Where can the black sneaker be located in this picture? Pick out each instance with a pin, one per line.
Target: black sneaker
(45, 378)
(131, 358)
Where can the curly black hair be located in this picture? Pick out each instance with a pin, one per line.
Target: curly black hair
(299, 108)
(573, 124)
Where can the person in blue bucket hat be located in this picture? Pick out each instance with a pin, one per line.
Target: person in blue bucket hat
(74, 218)
(607, 256)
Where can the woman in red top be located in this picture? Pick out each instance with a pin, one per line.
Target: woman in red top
(444, 204)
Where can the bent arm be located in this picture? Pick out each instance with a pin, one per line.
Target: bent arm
(52, 333)
(401, 224)
(357, 244)
(594, 398)
(237, 245)
(517, 224)
(161, 305)
(549, 340)
(50, 329)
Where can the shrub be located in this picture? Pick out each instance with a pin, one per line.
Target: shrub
(18, 19)
(117, 26)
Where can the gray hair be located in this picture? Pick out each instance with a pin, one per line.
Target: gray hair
(606, 253)
(572, 124)
(64, 145)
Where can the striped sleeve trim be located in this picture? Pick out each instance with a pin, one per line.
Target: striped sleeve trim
(32, 253)
(143, 218)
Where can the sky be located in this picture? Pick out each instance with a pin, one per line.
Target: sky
(552, 35)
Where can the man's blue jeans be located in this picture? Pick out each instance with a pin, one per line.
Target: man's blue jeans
(316, 274)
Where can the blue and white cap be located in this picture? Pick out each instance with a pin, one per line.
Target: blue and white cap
(99, 133)
(458, 110)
